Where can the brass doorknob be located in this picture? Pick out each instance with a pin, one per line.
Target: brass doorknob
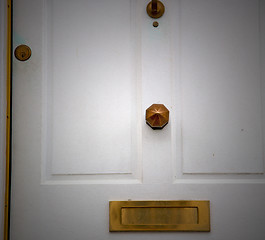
(155, 9)
(157, 116)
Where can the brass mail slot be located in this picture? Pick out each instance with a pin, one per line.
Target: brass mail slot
(159, 216)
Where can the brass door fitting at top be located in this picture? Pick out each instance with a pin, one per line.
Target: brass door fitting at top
(155, 9)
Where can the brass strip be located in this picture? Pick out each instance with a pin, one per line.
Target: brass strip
(159, 216)
(8, 120)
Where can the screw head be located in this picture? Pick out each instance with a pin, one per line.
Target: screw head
(155, 24)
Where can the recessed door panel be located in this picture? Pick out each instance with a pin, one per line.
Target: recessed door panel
(89, 87)
(221, 86)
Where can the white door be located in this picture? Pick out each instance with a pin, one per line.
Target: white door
(79, 134)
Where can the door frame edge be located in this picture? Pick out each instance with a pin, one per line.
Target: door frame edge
(8, 83)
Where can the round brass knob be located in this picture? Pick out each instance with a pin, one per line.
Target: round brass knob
(22, 53)
(155, 9)
(157, 116)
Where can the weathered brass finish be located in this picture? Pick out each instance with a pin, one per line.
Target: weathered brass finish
(159, 216)
(155, 9)
(157, 116)
(22, 52)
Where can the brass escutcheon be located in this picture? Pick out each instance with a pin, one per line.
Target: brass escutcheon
(22, 52)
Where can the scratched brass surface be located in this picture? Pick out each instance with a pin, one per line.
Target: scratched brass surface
(159, 216)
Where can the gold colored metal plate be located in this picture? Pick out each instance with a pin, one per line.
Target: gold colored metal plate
(22, 52)
(159, 216)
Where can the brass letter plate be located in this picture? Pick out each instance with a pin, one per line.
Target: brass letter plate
(159, 216)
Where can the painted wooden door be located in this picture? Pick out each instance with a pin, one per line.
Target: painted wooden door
(79, 134)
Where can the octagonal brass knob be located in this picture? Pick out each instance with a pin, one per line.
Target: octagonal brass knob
(157, 116)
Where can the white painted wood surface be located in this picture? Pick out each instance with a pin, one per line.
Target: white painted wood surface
(221, 82)
(91, 105)
(79, 135)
